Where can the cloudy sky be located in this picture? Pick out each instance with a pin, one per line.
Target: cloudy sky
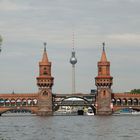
(25, 25)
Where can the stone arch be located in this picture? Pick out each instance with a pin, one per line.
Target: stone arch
(113, 101)
(130, 101)
(13, 102)
(29, 102)
(124, 101)
(24, 102)
(18, 110)
(7, 102)
(118, 101)
(75, 97)
(2, 102)
(18, 102)
(35, 101)
(139, 101)
(135, 101)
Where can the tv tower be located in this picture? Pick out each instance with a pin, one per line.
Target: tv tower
(73, 61)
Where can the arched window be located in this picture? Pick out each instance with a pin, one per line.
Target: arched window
(104, 93)
(100, 69)
(45, 73)
(45, 93)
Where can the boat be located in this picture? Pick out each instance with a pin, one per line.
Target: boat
(136, 113)
(90, 112)
(127, 112)
(80, 112)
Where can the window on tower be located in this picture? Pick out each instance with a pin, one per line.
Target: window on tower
(100, 69)
(45, 71)
(104, 93)
(45, 93)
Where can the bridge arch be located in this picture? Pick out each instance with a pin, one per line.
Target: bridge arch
(118, 101)
(13, 102)
(7, 102)
(125, 107)
(24, 102)
(124, 101)
(2, 102)
(16, 109)
(13, 109)
(135, 101)
(78, 97)
(18, 102)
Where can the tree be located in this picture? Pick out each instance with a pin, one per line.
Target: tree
(135, 91)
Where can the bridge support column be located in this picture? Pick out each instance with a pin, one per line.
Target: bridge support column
(45, 103)
(45, 83)
(44, 113)
(104, 81)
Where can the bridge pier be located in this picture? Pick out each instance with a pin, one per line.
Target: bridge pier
(44, 113)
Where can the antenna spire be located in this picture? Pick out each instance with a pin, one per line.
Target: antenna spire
(103, 46)
(45, 44)
(73, 41)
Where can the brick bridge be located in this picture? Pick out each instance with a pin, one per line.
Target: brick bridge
(29, 102)
(126, 100)
(44, 102)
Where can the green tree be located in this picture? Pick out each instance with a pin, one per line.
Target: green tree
(135, 91)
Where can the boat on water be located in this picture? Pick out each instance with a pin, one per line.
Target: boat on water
(127, 112)
(136, 113)
(90, 112)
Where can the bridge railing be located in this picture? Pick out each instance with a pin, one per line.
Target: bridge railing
(73, 103)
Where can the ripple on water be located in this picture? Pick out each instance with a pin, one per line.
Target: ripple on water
(69, 128)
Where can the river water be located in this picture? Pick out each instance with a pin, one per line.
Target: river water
(28, 127)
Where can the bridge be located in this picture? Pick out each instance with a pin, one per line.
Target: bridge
(44, 102)
(29, 102)
(9, 102)
(126, 100)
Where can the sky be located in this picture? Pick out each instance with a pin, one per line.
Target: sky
(25, 25)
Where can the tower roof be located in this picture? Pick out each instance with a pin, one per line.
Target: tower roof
(103, 57)
(45, 56)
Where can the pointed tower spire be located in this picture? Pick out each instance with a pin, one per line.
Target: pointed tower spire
(45, 46)
(103, 81)
(45, 56)
(45, 79)
(103, 57)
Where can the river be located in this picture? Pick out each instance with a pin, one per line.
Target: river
(28, 127)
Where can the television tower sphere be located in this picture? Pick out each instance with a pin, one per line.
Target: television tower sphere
(73, 59)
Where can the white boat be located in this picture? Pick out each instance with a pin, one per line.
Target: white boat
(90, 112)
(131, 112)
(136, 113)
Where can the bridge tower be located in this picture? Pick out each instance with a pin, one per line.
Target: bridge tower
(45, 83)
(103, 82)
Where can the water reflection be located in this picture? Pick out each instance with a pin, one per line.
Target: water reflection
(30, 127)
